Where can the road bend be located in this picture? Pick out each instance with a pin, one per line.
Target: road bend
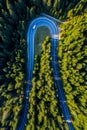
(52, 26)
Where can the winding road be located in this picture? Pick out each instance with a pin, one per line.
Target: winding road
(52, 26)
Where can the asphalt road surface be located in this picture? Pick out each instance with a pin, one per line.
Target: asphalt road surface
(52, 26)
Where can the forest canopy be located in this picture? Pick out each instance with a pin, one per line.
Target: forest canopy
(15, 17)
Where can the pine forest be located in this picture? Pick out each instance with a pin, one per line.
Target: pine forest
(44, 112)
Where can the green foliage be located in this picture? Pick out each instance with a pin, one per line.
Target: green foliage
(12, 64)
(72, 59)
(43, 111)
(15, 17)
(79, 9)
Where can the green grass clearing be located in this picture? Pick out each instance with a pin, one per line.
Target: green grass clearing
(41, 34)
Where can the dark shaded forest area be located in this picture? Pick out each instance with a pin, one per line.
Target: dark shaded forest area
(44, 111)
